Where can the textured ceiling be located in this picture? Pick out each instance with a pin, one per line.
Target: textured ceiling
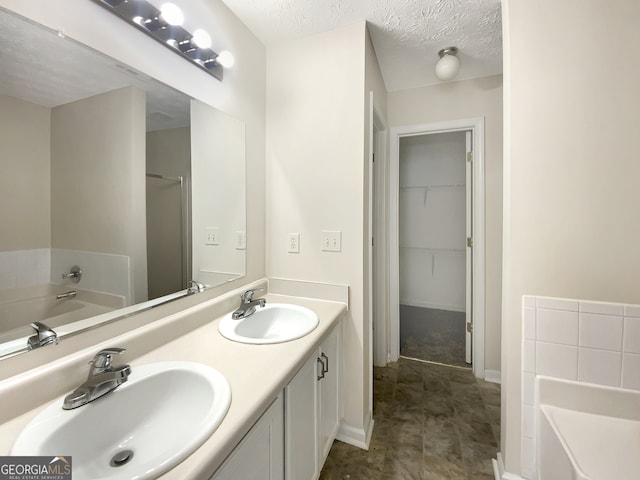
(406, 34)
(38, 66)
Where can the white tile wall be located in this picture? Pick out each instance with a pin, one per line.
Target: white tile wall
(101, 272)
(24, 268)
(600, 366)
(554, 360)
(601, 331)
(557, 326)
(631, 340)
(594, 342)
(631, 371)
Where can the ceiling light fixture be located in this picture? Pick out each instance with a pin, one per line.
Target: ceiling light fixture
(164, 24)
(449, 64)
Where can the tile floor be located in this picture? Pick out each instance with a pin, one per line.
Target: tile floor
(432, 422)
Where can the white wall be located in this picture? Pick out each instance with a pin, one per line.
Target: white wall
(480, 97)
(25, 194)
(241, 93)
(432, 216)
(316, 180)
(571, 176)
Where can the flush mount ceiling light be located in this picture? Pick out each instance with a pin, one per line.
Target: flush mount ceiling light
(164, 24)
(449, 65)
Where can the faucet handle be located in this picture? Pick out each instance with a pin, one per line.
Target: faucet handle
(103, 358)
(247, 296)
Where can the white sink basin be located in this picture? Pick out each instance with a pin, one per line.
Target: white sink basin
(273, 323)
(162, 414)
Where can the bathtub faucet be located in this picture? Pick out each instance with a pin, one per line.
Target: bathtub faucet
(103, 378)
(69, 294)
(44, 336)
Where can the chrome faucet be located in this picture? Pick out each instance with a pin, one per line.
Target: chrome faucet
(247, 305)
(195, 287)
(69, 294)
(44, 336)
(103, 378)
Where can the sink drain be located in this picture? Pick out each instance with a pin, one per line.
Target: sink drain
(121, 458)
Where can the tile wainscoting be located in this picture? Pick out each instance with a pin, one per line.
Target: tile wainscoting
(584, 341)
(101, 272)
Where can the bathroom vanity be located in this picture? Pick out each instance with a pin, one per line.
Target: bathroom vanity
(285, 399)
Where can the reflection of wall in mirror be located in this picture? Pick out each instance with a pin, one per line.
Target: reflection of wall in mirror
(58, 165)
(218, 189)
(97, 177)
(25, 132)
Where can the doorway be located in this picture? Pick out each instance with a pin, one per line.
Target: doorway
(472, 130)
(433, 231)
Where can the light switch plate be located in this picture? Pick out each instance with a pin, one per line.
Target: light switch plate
(212, 236)
(331, 241)
(241, 240)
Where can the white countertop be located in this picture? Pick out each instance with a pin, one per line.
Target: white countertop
(256, 373)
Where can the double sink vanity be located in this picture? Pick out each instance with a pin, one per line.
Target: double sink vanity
(252, 393)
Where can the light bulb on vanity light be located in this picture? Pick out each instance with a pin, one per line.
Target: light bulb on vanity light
(225, 58)
(172, 14)
(201, 38)
(449, 65)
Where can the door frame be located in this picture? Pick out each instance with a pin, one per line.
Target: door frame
(476, 126)
(378, 232)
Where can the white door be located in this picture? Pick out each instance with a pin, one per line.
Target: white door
(469, 229)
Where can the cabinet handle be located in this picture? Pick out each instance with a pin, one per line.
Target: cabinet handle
(322, 372)
(325, 366)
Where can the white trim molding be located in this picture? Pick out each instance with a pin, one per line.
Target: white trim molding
(493, 376)
(498, 470)
(358, 437)
(476, 126)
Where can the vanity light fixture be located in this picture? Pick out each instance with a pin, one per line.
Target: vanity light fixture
(165, 24)
(449, 64)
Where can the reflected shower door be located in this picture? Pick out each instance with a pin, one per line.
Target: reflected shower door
(165, 235)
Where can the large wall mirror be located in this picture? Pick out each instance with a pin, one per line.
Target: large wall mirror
(138, 185)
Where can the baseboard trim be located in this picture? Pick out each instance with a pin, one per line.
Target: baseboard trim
(498, 470)
(437, 306)
(493, 376)
(358, 437)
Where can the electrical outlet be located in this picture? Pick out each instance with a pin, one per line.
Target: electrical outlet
(293, 243)
(212, 236)
(241, 240)
(331, 241)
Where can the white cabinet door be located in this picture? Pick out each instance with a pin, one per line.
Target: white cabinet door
(260, 454)
(329, 400)
(300, 424)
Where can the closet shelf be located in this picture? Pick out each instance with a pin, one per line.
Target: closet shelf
(429, 187)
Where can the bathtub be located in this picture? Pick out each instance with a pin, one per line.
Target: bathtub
(587, 432)
(21, 307)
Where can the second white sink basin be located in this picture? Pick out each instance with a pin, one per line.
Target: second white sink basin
(145, 427)
(273, 323)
